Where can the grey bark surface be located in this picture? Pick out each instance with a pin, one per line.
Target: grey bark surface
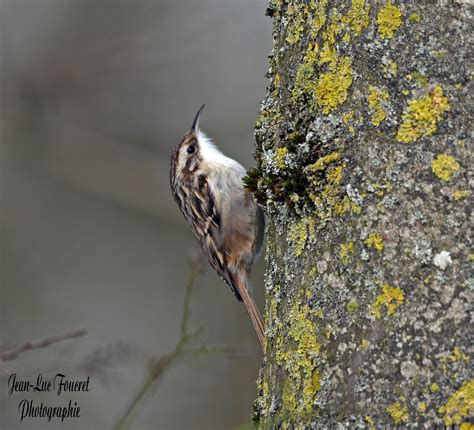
(364, 167)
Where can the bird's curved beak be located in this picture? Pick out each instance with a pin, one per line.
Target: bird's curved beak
(195, 125)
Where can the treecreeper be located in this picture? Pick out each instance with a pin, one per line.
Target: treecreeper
(224, 215)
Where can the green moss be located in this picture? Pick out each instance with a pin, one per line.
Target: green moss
(444, 166)
(398, 412)
(422, 115)
(375, 240)
(460, 405)
(375, 98)
(390, 299)
(252, 182)
(345, 252)
(389, 19)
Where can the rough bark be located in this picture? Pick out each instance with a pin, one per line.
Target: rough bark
(363, 165)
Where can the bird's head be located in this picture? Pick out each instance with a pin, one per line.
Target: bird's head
(186, 155)
(194, 151)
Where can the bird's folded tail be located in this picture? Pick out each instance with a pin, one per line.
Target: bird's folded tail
(255, 316)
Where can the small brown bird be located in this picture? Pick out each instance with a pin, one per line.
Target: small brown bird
(224, 216)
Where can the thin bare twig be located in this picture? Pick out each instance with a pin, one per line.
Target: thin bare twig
(36, 344)
(181, 349)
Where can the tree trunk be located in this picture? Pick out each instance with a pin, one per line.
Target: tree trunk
(363, 166)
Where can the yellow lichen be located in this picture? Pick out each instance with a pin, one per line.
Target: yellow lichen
(356, 209)
(369, 420)
(331, 88)
(280, 157)
(348, 117)
(414, 17)
(418, 77)
(398, 412)
(422, 407)
(444, 166)
(434, 388)
(352, 306)
(264, 392)
(296, 26)
(276, 84)
(365, 344)
(358, 16)
(272, 307)
(288, 396)
(300, 232)
(316, 382)
(317, 17)
(375, 240)
(390, 298)
(345, 252)
(461, 194)
(297, 356)
(422, 115)
(325, 178)
(389, 19)
(334, 174)
(381, 189)
(458, 355)
(322, 162)
(327, 88)
(390, 69)
(295, 198)
(459, 405)
(375, 98)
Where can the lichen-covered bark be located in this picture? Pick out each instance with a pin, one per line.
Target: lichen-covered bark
(363, 164)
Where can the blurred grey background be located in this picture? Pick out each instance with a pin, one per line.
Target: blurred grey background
(93, 96)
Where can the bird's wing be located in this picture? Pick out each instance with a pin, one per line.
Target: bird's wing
(206, 223)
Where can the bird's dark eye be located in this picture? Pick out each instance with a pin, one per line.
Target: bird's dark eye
(191, 149)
